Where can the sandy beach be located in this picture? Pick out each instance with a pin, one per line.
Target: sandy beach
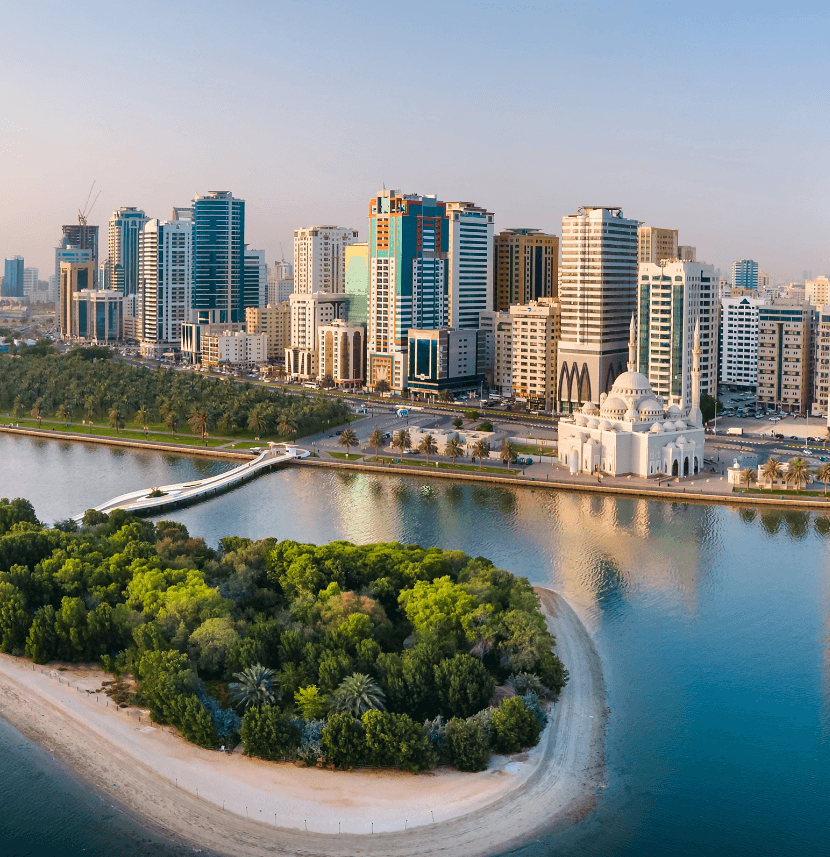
(234, 805)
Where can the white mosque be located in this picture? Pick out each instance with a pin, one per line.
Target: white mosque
(632, 432)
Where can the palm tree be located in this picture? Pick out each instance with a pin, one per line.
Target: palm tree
(480, 449)
(823, 475)
(382, 386)
(798, 473)
(17, 407)
(508, 453)
(401, 440)
(427, 446)
(376, 439)
(747, 476)
(287, 425)
(255, 687)
(36, 412)
(445, 396)
(454, 448)
(771, 470)
(348, 439)
(199, 423)
(116, 421)
(142, 417)
(62, 413)
(256, 421)
(171, 420)
(358, 694)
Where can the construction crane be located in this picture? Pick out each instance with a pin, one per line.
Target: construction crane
(87, 209)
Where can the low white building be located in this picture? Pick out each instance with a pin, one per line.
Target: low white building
(632, 432)
(234, 349)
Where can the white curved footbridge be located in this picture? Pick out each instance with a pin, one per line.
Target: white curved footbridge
(184, 493)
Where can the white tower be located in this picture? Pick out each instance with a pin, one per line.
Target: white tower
(632, 345)
(695, 416)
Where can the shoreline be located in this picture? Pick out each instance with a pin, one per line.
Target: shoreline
(153, 774)
(586, 485)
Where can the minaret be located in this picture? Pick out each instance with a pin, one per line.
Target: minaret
(695, 415)
(632, 345)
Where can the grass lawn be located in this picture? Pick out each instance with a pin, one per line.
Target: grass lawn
(343, 456)
(441, 465)
(526, 449)
(772, 492)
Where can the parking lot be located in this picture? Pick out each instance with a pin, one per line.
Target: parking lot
(763, 424)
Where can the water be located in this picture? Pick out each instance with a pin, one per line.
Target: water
(713, 625)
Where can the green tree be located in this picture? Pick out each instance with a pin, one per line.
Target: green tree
(36, 412)
(348, 438)
(287, 426)
(798, 473)
(439, 606)
(116, 420)
(255, 687)
(708, 406)
(454, 448)
(194, 722)
(256, 421)
(62, 413)
(480, 450)
(464, 686)
(41, 641)
(211, 643)
(269, 733)
(747, 477)
(485, 426)
(343, 740)
(165, 677)
(396, 740)
(199, 422)
(823, 475)
(328, 381)
(514, 727)
(14, 619)
(172, 420)
(445, 396)
(312, 704)
(142, 418)
(457, 423)
(427, 446)
(376, 440)
(508, 453)
(382, 386)
(401, 440)
(358, 694)
(467, 744)
(771, 470)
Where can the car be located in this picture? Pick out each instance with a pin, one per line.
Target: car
(773, 419)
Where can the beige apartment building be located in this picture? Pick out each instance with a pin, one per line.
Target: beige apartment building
(525, 267)
(654, 245)
(536, 331)
(341, 346)
(75, 277)
(821, 361)
(234, 349)
(497, 330)
(817, 291)
(275, 322)
(785, 356)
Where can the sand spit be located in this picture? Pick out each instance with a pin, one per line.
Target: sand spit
(181, 789)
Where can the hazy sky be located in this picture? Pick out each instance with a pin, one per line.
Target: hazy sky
(708, 117)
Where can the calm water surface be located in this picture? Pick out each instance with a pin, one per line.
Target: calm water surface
(713, 626)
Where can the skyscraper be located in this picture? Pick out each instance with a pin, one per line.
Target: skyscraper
(124, 228)
(219, 258)
(598, 295)
(256, 279)
(320, 259)
(357, 284)
(165, 283)
(13, 278)
(281, 284)
(82, 235)
(655, 244)
(408, 241)
(75, 277)
(525, 267)
(30, 284)
(470, 263)
(745, 275)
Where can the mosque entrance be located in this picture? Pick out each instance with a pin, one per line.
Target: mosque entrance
(674, 468)
(685, 466)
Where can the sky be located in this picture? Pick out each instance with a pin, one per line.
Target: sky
(710, 118)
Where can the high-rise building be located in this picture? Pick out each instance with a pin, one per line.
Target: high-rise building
(497, 331)
(219, 258)
(165, 284)
(275, 322)
(674, 300)
(525, 267)
(654, 244)
(470, 263)
(75, 277)
(687, 253)
(308, 313)
(745, 275)
(598, 296)
(444, 359)
(341, 348)
(82, 235)
(256, 278)
(320, 258)
(408, 243)
(821, 361)
(73, 255)
(739, 341)
(125, 227)
(536, 332)
(13, 278)
(97, 315)
(30, 287)
(764, 283)
(785, 356)
(357, 284)
(817, 291)
(281, 284)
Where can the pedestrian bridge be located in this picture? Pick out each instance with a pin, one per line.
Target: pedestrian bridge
(184, 493)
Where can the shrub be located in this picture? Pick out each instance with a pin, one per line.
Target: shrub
(269, 733)
(311, 702)
(396, 740)
(311, 734)
(225, 720)
(485, 426)
(195, 723)
(532, 704)
(463, 685)
(343, 740)
(466, 744)
(514, 727)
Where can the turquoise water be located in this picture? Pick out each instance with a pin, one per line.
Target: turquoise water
(713, 626)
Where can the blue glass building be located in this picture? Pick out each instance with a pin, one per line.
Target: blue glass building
(745, 274)
(13, 278)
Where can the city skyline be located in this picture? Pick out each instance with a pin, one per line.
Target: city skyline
(289, 121)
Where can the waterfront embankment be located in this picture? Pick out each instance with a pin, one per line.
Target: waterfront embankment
(239, 806)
